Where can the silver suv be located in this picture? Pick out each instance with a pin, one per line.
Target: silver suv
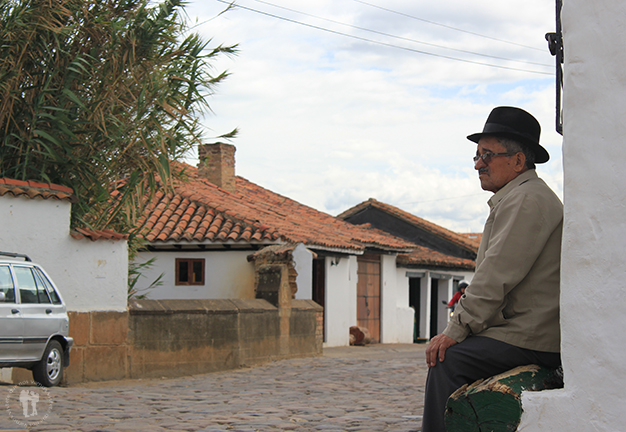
(34, 326)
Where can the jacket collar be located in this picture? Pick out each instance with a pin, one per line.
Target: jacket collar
(517, 181)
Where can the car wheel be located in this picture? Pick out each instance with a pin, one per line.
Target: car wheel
(49, 370)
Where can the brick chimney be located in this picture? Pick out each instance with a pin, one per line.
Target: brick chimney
(217, 165)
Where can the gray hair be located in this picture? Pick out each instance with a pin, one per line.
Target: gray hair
(513, 146)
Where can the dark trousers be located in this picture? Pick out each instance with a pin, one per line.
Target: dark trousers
(475, 358)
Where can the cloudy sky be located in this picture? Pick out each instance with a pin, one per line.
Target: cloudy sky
(338, 101)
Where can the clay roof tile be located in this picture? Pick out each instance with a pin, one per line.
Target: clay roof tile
(198, 210)
(36, 189)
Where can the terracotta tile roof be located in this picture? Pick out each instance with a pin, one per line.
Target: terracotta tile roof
(93, 235)
(475, 237)
(199, 211)
(425, 257)
(458, 239)
(33, 189)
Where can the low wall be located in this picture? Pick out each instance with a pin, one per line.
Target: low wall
(100, 351)
(168, 338)
(184, 337)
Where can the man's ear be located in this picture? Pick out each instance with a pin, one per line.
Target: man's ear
(520, 162)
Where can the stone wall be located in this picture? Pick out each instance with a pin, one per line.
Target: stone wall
(100, 351)
(178, 337)
(184, 337)
(167, 338)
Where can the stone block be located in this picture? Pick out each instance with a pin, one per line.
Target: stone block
(75, 373)
(303, 322)
(253, 305)
(109, 328)
(259, 326)
(187, 306)
(80, 327)
(269, 283)
(182, 331)
(105, 363)
(145, 306)
(259, 351)
(19, 375)
(158, 363)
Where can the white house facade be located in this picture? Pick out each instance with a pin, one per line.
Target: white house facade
(429, 291)
(35, 221)
(202, 236)
(90, 268)
(427, 277)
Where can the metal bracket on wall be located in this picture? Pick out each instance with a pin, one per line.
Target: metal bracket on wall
(555, 43)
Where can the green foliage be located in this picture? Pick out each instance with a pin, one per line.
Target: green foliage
(135, 271)
(97, 91)
(137, 268)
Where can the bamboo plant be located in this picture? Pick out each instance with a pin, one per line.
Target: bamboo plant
(100, 96)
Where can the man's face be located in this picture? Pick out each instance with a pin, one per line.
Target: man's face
(499, 170)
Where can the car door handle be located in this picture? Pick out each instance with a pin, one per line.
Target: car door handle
(15, 311)
(48, 311)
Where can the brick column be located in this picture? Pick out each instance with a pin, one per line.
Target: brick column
(217, 165)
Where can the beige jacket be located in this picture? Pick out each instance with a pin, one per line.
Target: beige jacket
(514, 295)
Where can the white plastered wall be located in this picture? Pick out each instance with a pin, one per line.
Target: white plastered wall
(446, 291)
(593, 270)
(424, 323)
(303, 261)
(92, 276)
(396, 315)
(341, 293)
(227, 274)
(341, 301)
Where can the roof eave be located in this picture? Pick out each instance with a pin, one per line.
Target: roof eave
(170, 243)
(335, 249)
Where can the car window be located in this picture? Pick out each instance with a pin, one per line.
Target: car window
(44, 281)
(30, 292)
(6, 284)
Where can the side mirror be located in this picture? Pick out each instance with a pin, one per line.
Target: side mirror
(2, 296)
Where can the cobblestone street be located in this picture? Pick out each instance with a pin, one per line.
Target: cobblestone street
(372, 388)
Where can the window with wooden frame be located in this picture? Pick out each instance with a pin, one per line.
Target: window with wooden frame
(189, 271)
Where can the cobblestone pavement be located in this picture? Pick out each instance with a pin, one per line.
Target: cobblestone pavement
(371, 388)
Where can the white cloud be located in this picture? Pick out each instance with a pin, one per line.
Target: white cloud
(331, 121)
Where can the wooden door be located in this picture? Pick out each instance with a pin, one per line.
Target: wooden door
(319, 287)
(415, 297)
(368, 294)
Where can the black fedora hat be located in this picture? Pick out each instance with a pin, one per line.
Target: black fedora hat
(515, 123)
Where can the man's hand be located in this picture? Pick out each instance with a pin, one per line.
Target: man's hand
(437, 349)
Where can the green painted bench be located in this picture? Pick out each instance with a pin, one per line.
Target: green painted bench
(494, 404)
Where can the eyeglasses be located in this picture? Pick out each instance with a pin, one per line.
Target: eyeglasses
(486, 157)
